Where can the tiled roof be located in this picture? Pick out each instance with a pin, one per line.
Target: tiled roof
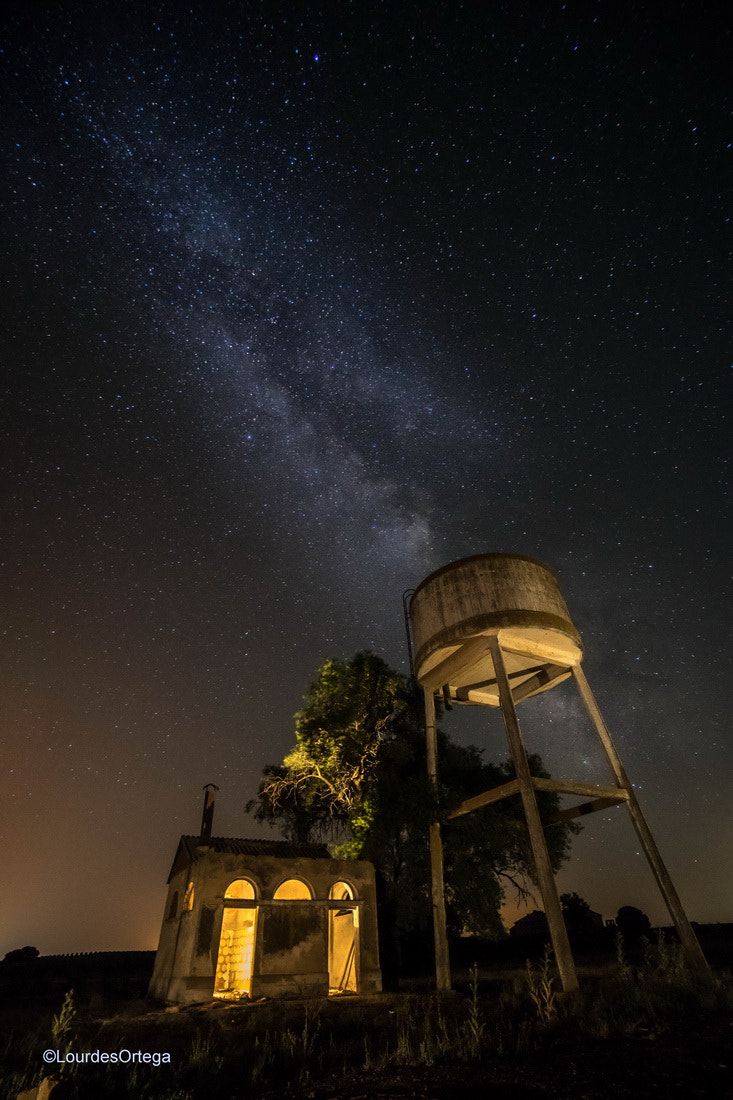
(242, 846)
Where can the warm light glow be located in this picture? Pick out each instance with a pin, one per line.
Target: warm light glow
(293, 889)
(242, 889)
(341, 891)
(343, 940)
(188, 897)
(236, 953)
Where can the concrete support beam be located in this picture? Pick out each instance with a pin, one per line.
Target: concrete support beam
(546, 878)
(440, 932)
(688, 939)
(583, 809)
(447, 670)
(590, 790)
(496, 794)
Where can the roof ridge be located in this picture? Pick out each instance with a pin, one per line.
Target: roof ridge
(265, 839)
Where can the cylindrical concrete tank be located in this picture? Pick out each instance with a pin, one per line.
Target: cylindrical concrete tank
(513, 596)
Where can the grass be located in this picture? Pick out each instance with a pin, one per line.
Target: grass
(543, 988)
(660, 990)
(286, 1046)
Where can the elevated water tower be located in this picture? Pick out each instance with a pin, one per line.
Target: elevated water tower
(494, 629)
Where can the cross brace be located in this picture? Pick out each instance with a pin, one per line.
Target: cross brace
(601, 796)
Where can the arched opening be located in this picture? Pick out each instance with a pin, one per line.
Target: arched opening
(173, 909)
(241, 889)
(293, 889)
(235, 961)
(188, 898)
(343, 939)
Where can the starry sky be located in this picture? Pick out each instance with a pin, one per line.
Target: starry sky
(301, 302)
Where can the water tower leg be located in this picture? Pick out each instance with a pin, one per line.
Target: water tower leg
(442, 960)
(688, 939)
(553, 912)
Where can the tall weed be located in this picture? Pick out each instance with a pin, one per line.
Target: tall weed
(474, 1027)
(541, 988)
(63, 1024)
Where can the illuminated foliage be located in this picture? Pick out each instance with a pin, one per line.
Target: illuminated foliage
(357, 779)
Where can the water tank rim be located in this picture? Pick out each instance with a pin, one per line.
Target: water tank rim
(476, 557)
(516, 619)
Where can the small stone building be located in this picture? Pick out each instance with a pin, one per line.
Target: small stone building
(254, 918)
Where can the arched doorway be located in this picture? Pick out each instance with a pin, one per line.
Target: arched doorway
(343, 939)
(235, 960)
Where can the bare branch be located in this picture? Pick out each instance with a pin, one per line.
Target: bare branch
(341, 792)
(523, 893)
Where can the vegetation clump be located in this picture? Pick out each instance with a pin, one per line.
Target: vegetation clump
(357, 779)
(326, 1047)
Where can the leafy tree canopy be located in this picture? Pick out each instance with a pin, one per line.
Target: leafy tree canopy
(22, 955)
(632, 923)
(573, 905)
(357, 779)
(579, 916)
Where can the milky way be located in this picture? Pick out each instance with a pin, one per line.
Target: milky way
(301, 307)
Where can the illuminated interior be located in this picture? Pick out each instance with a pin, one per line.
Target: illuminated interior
(188, 898)
(293, 889)
(237, 944)
(343, 933)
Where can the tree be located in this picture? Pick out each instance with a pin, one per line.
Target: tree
(323, 788)
(22, 956)
(573, 905)
(357, 778)
(576, 911)
(632, 923)
(580, 920)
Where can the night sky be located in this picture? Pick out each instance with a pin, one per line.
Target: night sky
(301, 302)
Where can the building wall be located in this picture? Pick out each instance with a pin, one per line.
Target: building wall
(291, 949)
